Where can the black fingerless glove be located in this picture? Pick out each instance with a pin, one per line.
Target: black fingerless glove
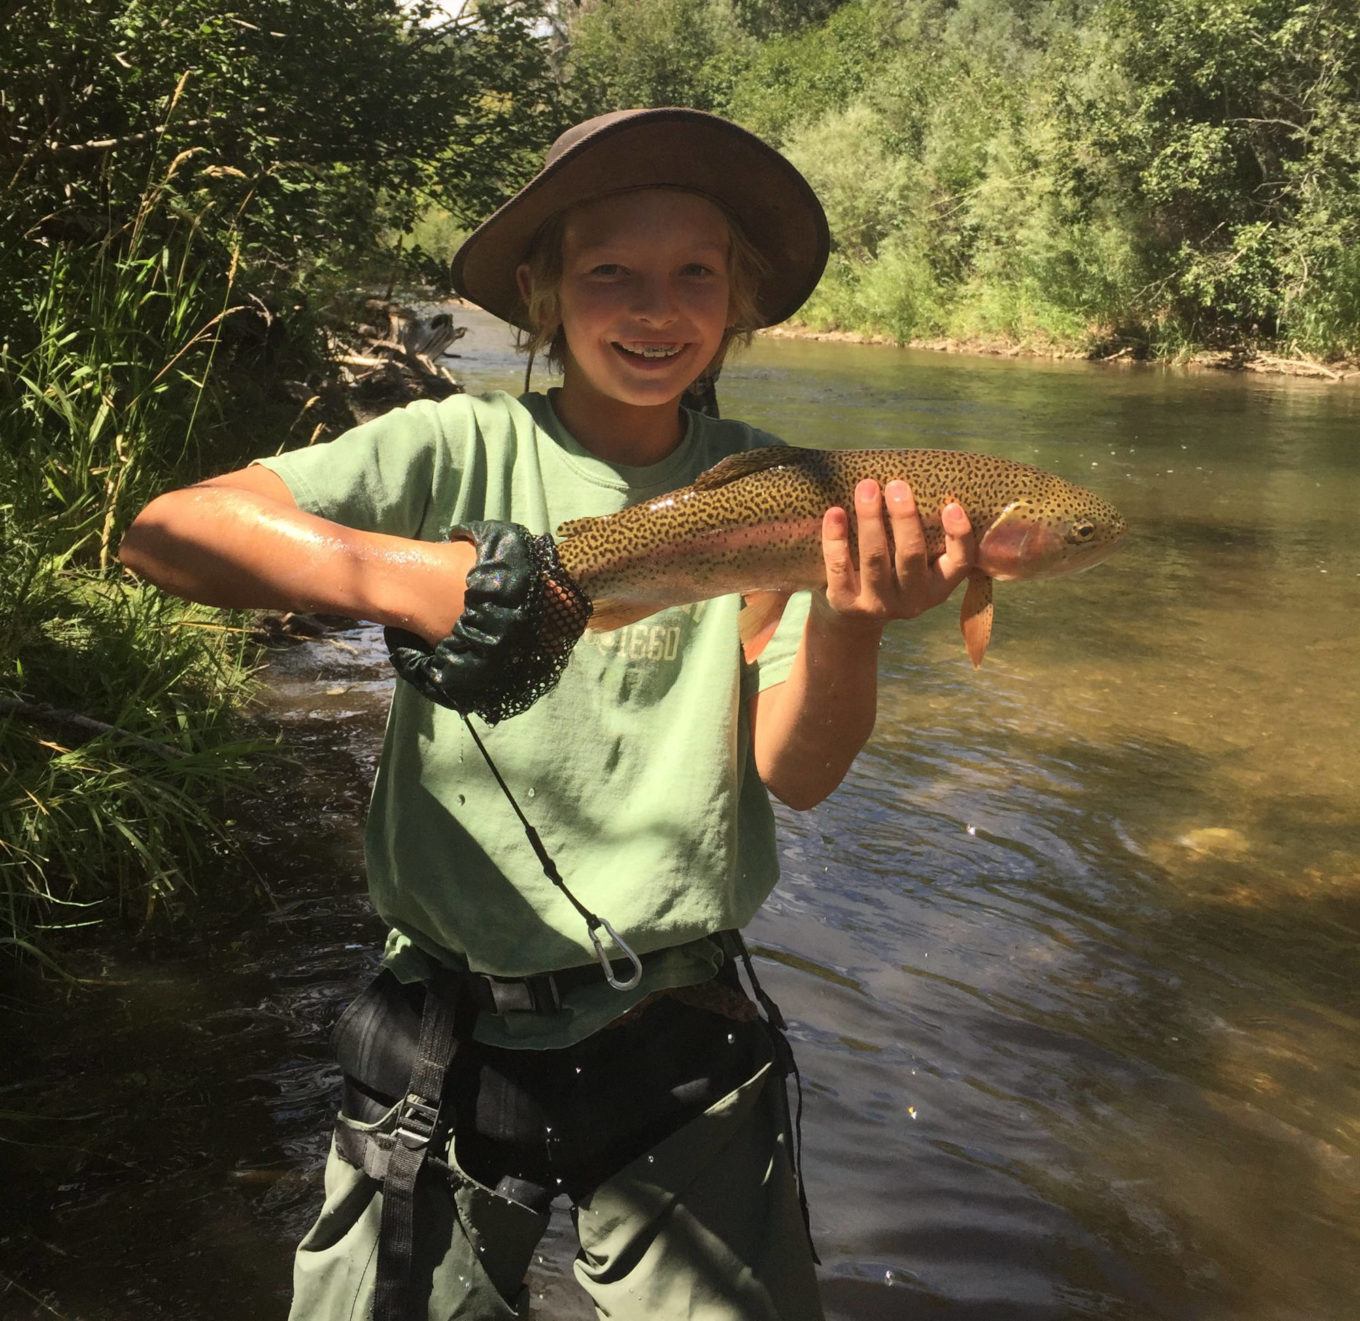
(515, 635)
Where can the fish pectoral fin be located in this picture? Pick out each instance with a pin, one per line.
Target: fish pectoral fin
(611, 612)
(744, 464)
(976, 617)
(759, 617)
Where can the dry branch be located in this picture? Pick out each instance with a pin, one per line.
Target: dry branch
(37, 713)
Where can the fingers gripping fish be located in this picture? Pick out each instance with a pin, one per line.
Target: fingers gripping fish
(753, 523)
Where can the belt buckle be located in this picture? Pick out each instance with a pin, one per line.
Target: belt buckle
(416, 1121)
(525, 995)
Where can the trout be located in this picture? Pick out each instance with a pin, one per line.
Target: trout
(752, 524)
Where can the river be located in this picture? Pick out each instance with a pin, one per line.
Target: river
(1070, 959)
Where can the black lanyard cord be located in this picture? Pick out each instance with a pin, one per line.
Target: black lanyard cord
(594, 923)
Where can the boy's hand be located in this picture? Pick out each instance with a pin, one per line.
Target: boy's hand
(897, 583)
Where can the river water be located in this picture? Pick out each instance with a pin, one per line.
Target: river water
(1070, 959)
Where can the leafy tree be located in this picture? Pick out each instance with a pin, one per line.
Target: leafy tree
(1165, 172)
(317, 122)
(1238, 141)
(653, 53)
(770, 18)
(797, 76)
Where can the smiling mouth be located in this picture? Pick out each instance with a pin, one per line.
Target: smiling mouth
(650, 352)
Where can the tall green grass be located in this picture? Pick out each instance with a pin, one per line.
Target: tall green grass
(119, 740)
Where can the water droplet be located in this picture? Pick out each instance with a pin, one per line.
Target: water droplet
(731, 1038)
(532, 791)
(889, 1279)
(651, 1160)
(462, 798)
(972, 830)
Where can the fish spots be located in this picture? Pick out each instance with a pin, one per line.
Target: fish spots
(752, 523)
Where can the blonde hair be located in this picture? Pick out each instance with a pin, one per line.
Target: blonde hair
(746, 268)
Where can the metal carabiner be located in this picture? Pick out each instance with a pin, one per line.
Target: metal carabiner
(604, 958)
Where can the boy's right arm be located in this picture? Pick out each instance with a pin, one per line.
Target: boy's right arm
(240, 540)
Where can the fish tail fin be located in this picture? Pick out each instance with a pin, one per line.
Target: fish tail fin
(976, 618)
(760, 616)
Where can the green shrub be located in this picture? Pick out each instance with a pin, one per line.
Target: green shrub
(118, 743)
(108, 809)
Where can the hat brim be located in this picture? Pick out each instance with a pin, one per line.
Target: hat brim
(671, 148)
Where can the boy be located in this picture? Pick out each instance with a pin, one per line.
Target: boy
(652, 1096)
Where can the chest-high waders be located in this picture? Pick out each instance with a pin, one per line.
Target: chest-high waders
(411, 1053)
(393, 1032)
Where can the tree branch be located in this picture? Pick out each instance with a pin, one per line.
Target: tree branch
(42, 714)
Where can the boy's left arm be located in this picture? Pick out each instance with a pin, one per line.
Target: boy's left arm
(808, 729)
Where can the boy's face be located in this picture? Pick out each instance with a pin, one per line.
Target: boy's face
(644, 296)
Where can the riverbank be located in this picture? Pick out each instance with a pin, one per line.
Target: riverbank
(1242, 358)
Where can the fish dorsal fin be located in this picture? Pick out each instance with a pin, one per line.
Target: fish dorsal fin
(744, 464)
(575, 526)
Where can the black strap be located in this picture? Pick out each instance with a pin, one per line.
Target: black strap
(788, 1064)
(447, 1017)
(702, 396)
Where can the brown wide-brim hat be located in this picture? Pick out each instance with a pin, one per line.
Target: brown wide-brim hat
(665, 148)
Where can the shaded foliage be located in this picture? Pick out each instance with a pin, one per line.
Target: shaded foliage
(318, 124)
(1240, 139)
(180, 186)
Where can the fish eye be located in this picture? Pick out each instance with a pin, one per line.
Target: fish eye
(1083, 531)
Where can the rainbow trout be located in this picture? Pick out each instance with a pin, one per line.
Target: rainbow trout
(752, 524)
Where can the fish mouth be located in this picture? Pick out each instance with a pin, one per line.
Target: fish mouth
(648, 352)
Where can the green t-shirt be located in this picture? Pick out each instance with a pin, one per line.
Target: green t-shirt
(637, 770)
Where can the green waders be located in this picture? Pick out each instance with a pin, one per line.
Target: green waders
(707, 1225)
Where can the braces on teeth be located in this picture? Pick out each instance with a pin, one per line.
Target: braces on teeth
(652, 350)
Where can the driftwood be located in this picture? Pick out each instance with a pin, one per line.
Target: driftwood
(296, 626)
(396, 357)
(1251, 360)
(1293, 367)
